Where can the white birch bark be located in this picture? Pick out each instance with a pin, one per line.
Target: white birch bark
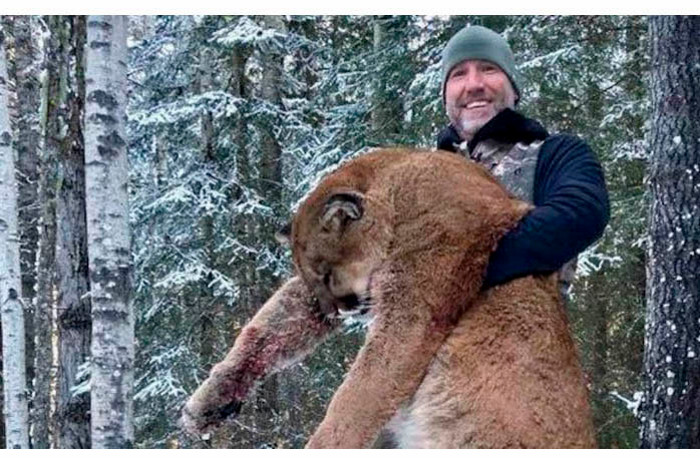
(108, 233)
(14, 376)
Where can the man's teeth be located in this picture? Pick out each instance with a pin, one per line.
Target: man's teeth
(477, 104)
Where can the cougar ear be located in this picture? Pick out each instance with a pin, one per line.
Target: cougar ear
(340, 209)
(284, 234)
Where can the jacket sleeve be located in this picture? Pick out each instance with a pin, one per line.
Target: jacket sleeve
(571, 211)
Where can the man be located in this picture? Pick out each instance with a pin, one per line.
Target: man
(559, 174)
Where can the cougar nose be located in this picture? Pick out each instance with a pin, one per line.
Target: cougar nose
(349, 302)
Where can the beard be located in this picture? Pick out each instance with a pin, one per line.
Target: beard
(468, 123)
(469, 126)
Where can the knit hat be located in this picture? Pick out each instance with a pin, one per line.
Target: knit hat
(477, 42)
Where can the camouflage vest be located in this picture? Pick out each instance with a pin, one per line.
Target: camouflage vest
(514, 165)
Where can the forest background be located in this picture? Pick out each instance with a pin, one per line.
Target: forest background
(231, 120)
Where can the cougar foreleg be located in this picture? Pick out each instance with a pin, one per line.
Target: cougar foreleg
(411, 322)
(286, 329)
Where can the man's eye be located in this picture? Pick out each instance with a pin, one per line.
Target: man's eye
(488, 68)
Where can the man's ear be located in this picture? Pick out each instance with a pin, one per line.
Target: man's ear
(284, 234)
(340, 209)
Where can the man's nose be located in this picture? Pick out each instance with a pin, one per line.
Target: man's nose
(474, 81)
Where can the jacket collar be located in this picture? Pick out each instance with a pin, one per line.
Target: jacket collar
(508, 126)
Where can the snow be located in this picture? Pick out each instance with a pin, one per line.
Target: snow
(187, 109)
(632, 405)
(593, 260)
(550, 58)
(244, 31)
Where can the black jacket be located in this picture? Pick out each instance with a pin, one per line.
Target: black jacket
(570, 196)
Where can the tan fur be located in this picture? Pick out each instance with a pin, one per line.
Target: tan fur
(508, 376)
(412, 231)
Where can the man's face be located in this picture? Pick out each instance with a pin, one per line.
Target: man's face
(475, 91)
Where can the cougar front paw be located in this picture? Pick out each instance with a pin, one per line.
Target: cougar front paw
(201, 420)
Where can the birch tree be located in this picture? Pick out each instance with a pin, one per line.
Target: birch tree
(670, 410)
(14, 378)
(23, 71)
(26, 71)
(106, 171)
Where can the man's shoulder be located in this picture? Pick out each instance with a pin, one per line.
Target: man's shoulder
(563, 140)
(563, 144)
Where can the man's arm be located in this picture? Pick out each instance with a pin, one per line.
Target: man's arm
(572, 209)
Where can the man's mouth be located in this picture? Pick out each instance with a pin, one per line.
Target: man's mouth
(476, 104)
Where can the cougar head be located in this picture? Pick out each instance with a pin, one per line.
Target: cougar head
(338, 241)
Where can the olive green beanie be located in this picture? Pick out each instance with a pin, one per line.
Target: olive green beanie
(477, 42)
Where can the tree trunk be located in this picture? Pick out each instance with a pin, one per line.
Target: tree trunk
(24, 73)
(670, 410)
(109, 241)
(271, 85)
(14, 379)
(71, 419)
(386, 103)
(243, 226)
(209, 306)
(270, 185)
(270, 182)
(53, 121)
(26, 76)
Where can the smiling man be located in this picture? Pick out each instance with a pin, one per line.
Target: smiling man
(559, 173)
